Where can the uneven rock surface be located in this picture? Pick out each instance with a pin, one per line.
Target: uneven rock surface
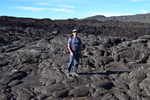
(33, 60)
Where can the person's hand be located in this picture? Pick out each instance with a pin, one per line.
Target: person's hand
(71, 54)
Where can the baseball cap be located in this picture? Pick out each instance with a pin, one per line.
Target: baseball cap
(75, 31)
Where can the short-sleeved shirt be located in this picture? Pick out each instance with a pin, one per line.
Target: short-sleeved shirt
(75, 44)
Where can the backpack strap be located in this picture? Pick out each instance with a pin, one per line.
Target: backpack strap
(71, 40)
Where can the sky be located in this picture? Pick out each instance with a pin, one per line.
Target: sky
(66, 9)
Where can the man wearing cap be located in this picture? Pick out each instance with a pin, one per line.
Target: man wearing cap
(74, 47)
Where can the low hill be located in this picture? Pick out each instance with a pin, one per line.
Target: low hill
(143, 18)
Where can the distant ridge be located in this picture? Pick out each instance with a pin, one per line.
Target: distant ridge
(143, 18)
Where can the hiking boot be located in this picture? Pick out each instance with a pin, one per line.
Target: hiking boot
(75, 74)
(68, 74)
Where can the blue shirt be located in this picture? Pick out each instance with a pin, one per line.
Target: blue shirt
(75, 44)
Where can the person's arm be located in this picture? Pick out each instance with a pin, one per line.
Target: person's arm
(69, 48)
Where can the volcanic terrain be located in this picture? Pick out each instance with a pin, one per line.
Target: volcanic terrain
(33, 58)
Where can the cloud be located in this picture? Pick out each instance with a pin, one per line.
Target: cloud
(109, 14)
(135, 0)
(66, 6)
(143, 11)
(35, 9)
(44, 4)
(139, 0)
(48, 4)
(28, 8)
(62, 10)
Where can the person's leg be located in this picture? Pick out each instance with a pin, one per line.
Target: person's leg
(70, 63)
(76, 62)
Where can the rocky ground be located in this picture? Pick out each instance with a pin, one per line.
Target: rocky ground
(34, 57)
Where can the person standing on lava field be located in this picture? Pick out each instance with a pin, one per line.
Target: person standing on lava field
(74, 47)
